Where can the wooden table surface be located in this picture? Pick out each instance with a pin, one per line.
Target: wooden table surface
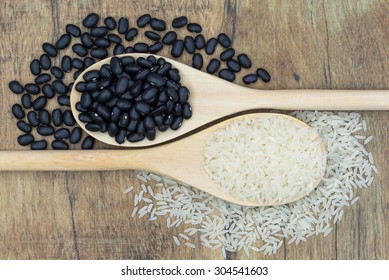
(303, 44)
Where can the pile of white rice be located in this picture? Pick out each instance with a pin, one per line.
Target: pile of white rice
(269, 159)
(228, 227)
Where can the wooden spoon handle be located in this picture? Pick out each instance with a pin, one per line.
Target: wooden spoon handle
(317, 100)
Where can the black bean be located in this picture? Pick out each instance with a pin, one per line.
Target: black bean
(211, 46)
(99, 53)
(172, 94)
(73, 30)
(80, 108)
(158, 24)
(174, 75)
(121, 136)
(38, 145)
(115, 114)
(81, 86)
(98, 31)
(168, 119)
(62, 133)
(152, 35)
(114, 38)
(142, 74)
(156, 79)
(183, 95)
(56, 116)
(158, 119)
(189, 44)
(199, 42)
(169, 38)
(88, 61)
(80, 50)
(35, 67)
(180, 22)
(66, 64)
(63, 41)
(85, 118)
(123, 25)
(68, 118)
(103, 111)
(244, 60)
(86, 100)
(104, 96)
(110, 23)
(124, 119)
(136, 89)
(42, 78)
(161, 61)
(126, 60)
(17, 111)
(194, 27)
(91, 20)
(63, 100)
(178, 48)
(44, 117)
(142, 108)
(49, 49)
(150, 134)
(102, 42)
(75, 135)
(263, 74)
(45, 130)
(77, 63)
(57, 72)
(16, 87)
(131, 127)
(158, 110)
(197, 61)
(24, 127)
(91, 75)
(224, 41)
(112, 129)
(162, 97)
(59, 87)
(143, 20)
(135, 137)
(59, 145)
(156, 47)
(25, 139)
(140, 128)
(141, 48)
(86, 40)
(227, 54)
(88, 143)
(177, 122)
(121, 85)
(93, 127)
(77, 74)
(171, 84)
(131, 34)
(164, 69)
(144, 63)
(150, 94)
(32, 118)
(39, 103)
(227, 75)
(32, 88)
(213, 66)
(169, 106)
(45, 61)
(118, 49)
(250, 78)
(26, 101)
(129, 50)
(233, 65)
(177, 109)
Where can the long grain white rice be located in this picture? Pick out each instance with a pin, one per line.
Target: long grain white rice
(225, 226)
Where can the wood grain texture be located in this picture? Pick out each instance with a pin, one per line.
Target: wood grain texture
(305, 44)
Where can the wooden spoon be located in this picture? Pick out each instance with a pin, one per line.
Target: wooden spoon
(213, 98)
(181, 160)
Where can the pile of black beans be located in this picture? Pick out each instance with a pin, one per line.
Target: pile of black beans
(129, 98)
(55, 73)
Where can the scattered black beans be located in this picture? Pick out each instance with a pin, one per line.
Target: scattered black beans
(123, 25)
(143, 20)
(68, 118)
(224, 40)
(77, 63)
(213, 66)
(180, 22)
(17, 111)
(63, 42)
(199, 42)
(194, 27)
(189, 44)
(59, 145)
(233, 65)
(131, 34)
(75, 135)
(35, 67)
(32, 118)
(49, 49)
(24, 127)
(119, 49)
(66, 64)
(73, 30)
(80, 50)
(110, 23)
(44, 130)
(244, 60)
(63, 100)
(48, 91)
(45, 61)
(169, 38)
(44, 117)
(152, 35)
(25, 139)
(98, 31)
(263, 74)
(250, 78)
(62, 134)
(38, 145)
(210, 47)
(42, 78)
(39, 103)
(141, 47)
(227, 75)
(56, 72)
(158, 24)
(178, 48)
(156, 47)
(227, 54)
(99, 53)
(26, 101)
(113, 38)
(59, 87)
(86, 40)
(32, 88)
(88, 143)
(15, 87)
(91, 20)
(197, 61)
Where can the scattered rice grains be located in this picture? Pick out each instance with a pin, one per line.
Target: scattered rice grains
(230, 227)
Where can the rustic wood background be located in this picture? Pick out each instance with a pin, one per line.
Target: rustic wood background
(303, 44)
